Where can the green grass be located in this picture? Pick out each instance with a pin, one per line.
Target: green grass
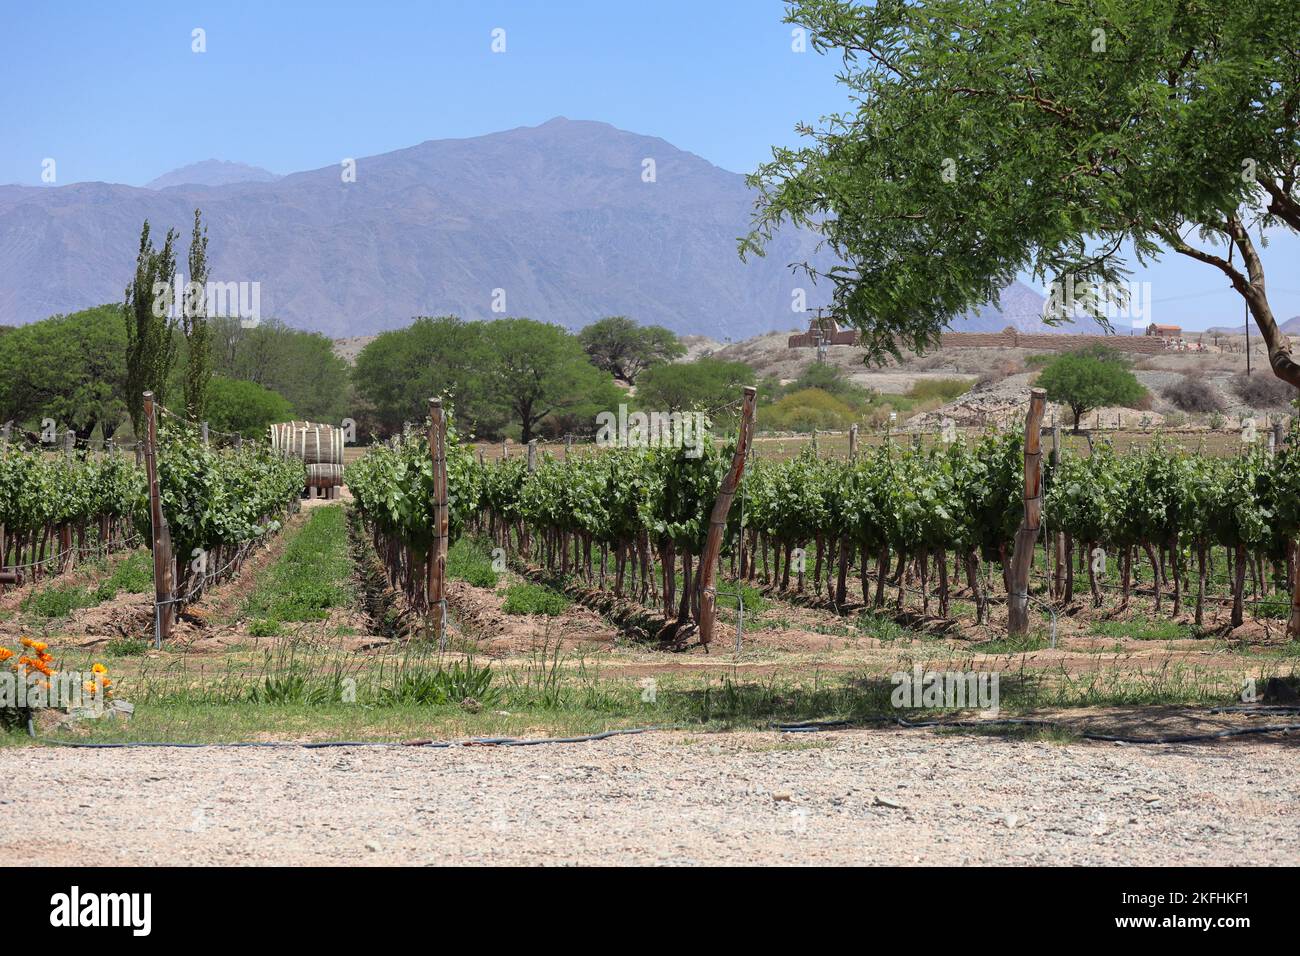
(126, 647)
(529, 598)
(1144, 629)
(57, 600)
(299, 691)
(470, 560)
(882, 628)
(134, 575)
(312, 576)
(1018, 644)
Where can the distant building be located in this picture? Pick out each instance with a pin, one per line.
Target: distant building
(1164, 331)
(822, 330)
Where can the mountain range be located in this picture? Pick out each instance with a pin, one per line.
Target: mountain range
(566, 222)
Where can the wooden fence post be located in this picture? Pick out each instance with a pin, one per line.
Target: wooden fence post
(1023, 556)
(164, 579)
(1059, 579)
(532, 455)
(853, 442)
(437, 560)
(203, 430)
(708, 568)
(5, 576)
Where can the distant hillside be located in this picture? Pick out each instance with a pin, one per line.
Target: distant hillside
(212, 172)
(570, 221)
(1291, 327)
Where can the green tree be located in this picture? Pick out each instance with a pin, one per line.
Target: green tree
(194, 324)
(993, 137)
(1084, 382)
(704, 384)
(301, 366)
(69, 368)
(245, 408)
(535, 371)
(624, 349)
(150, 325)
(399, 371)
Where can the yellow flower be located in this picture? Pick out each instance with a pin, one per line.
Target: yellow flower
(27, 642)
(39, 646)
(99, 669)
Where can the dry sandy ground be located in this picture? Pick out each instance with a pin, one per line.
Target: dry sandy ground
(856, 797)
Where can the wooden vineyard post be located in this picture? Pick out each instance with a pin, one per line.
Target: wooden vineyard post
(1059, 580)
(6, 577)
(1023, 556)
(532, 456)
(708, 568)
(853, 442)
(163, 568)
(437, 563)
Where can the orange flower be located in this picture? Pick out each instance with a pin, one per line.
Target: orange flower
(5, 654)
(40, 647)
(27, 642)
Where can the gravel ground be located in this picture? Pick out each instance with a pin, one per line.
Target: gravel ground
(858, 797)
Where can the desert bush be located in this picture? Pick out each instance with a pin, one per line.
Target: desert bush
(1004, 367)
(944, 389)
(1195, 395)
(1263, 390)
(807, 409)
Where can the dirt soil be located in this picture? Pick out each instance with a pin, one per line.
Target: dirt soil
(851, 797)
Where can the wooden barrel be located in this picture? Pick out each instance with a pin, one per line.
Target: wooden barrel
(315, 444)
(319, 446)
(324, 476)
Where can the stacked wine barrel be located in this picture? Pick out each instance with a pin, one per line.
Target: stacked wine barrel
(321, 449)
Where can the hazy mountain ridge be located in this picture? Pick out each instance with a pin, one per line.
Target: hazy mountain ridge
(212, 172)
(558, 216)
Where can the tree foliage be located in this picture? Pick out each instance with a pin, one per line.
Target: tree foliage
(194, 325)
(625, 349)
(1085, 382)
(301, 366)
(70, 368)
(994, 137)
(245, 408)
(150, 324)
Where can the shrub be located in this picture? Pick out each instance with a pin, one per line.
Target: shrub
(530, 598)
(807, 409)
(944, 389)
(1090, 379)
(1264, 390)
(1006, 367)
(1190, 394)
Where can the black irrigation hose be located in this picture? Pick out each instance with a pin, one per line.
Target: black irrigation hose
(815, 726)
(434, 744)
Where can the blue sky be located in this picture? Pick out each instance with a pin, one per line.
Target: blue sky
(106, 90)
